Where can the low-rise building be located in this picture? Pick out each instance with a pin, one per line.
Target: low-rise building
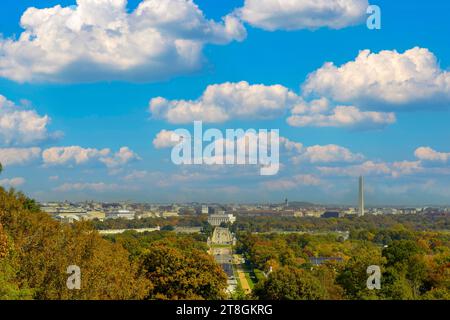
(217, 219)
(92, 215)
(146, 214)
(67, 218)
(332, 214)
(168, 214)
(124, 214)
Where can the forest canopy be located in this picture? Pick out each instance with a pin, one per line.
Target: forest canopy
(35, 252)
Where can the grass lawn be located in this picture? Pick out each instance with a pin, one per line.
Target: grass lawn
(249, 275)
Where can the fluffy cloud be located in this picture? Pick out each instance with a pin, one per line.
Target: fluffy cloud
(224, 141)
(329, 153)
(13, 182)
(19, 126)
(318, 114)
(14, 156)
(221, 102)
(303, 14)
(76, 155)
(73, 155)
(291, 146)
(120, 158)
(297, 151)
(428, 154)
(227, 101)
(387, 77)
(395, 169)
(166, 139)
(318, 153)
(372, 168)
(237, 148)
(99, 40)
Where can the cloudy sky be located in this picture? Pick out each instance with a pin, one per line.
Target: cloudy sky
(90, 91)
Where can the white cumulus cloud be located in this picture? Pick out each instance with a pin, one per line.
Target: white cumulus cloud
(297, 151)
(387, 77)
(374, 168)
(73, 155)
(318, 153)
(241, 100)
(341, 116)
(429, 154)
(97, 40)
(291, 146)
(329, 153)
(14, 156)
(166, 139)
(21, 126)
(76, 155)
(303, 14)
(120, 158)
(222, 102)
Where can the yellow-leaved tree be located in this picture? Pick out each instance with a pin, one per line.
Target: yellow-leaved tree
(35, 252)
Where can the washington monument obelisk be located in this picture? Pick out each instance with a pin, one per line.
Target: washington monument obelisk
(361, 197)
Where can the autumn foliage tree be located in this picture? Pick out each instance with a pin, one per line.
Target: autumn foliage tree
(180, 274)
(36, 251)
(289, 283)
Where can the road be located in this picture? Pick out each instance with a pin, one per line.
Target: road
(222, 236)
(222, 250)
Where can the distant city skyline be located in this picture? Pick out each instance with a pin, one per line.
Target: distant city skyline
(90, 92)
(324, 205)
(217, 214)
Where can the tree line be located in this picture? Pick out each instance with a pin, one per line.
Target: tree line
(35, 252)
(413, 264)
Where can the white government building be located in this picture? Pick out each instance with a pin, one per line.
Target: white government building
(218, 218)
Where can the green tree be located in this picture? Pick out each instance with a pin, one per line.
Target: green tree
(407, 269)
(289, 283)
(178, 274)
(41, 249)
(399, 253)
(326, 274)
(395, 286)
(353, 276)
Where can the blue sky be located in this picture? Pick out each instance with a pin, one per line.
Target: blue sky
(397, 135)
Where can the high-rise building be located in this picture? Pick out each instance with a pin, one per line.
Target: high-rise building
(361, 197)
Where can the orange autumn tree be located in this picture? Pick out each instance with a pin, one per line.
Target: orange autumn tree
(39, 250)
(180, 274)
